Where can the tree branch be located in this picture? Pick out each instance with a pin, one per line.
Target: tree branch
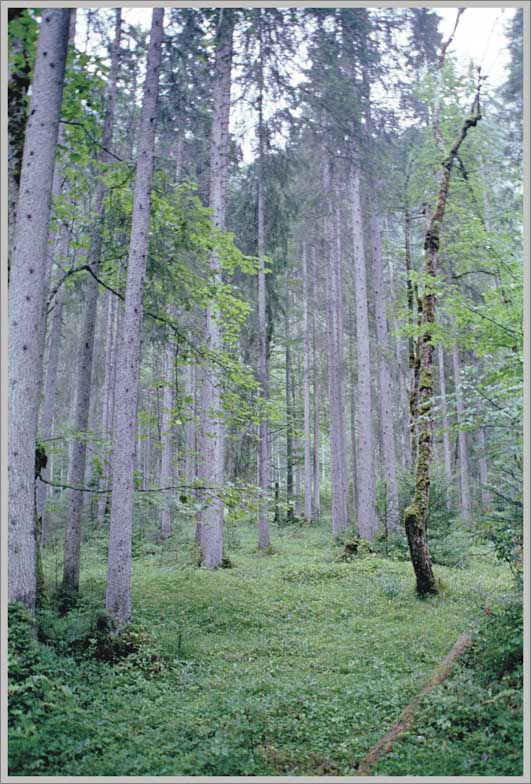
(95, 141)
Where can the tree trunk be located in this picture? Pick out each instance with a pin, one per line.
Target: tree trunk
(296, 447)
(446, 428)
(189, 426)
(72, 548)
(48, 403)
(18, 83)
(366, 518)
(26, 295)
(353, 438)
(315, 381)
(289, 425)
(401, 374)
(486, 498)
(264, 468)
(107, 405)
(384, 360)
(118, 595)
(331, 257)
(462, 439)
(211, 461)
(307, 410)
(340, 347)
(413, 348)
(416, 514)
(166, 475)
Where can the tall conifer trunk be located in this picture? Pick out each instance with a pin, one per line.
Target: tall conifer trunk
(445, 425)
(26, 295)
(307, 410)
(118, 595)
(462, 439)
(384, 360)
(264, 467)
(167, 475)
(211, 460)
(366, 514)
(316, 495)
(72, 546)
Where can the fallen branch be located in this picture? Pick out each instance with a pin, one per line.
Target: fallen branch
(405, 720)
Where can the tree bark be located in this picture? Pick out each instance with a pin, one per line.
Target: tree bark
(446, 426)
(264, 468)
(386, 406)
(331, 255)
(416, 514)
(353, 438)
(72, 547)
(107, 404)
(316, 495)
(486, 498)
(18, 83)
(289, 423)
(48, 402)
(307, 409)
(366, 514)
(340, 344)
(26, 295)
(296, 443)
(189, 426)
(211, 460)
(401, 379)
(118, 595)
(413, 347)
(462, 440)
(167, 477)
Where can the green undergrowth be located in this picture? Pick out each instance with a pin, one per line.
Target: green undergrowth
(290, 664)
(472, 722)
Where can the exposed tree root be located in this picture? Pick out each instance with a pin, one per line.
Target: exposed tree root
(405, 720)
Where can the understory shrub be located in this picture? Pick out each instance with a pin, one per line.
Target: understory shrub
(351, 546)
(451, 550)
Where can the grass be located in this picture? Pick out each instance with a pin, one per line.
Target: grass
(291, 663)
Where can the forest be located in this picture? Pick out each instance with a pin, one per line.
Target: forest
(265, 392)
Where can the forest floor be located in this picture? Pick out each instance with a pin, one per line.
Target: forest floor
(290, 663)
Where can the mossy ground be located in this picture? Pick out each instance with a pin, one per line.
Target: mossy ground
(291, 663)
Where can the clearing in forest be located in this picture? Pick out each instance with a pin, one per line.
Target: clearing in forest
(292, 663)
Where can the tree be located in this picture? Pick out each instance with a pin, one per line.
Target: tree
(118, 594)
(166, 476)
(211, 434)
(384, 375)
(264, 468)
(308, 506)
(26, 296)
(72, 548)
(416, 514)
(336, 375)
(366, 514)
(22, 29)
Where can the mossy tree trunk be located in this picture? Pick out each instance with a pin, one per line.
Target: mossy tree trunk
(416, 514)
